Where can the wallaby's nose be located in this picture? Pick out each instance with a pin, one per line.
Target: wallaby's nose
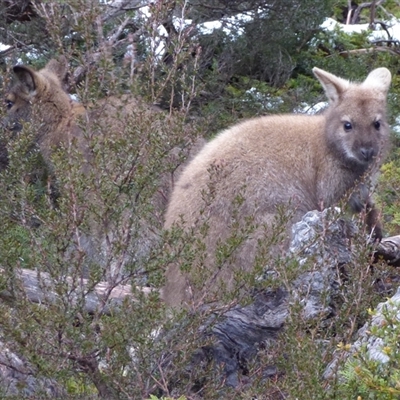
(367, 153)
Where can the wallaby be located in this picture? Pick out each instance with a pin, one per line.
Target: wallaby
(250, 172)
(39, 97)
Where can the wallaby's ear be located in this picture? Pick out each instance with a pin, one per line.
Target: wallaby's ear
(379, 78)
(27, 77)
(332, 84)
(58, 67)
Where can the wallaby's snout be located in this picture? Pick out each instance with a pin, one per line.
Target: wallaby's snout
(368, 153)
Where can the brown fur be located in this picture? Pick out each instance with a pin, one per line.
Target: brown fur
(295, 161)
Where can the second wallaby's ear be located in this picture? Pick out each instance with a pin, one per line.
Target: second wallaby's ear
(27, 77)
(332, 84)
(379, 78)
(58, 67)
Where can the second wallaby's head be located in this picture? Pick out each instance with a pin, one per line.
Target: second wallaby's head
(357, 131)
(38, 96)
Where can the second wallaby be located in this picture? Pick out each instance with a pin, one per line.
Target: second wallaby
(258, 167)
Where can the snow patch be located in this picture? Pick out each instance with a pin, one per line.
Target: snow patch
(392, 31)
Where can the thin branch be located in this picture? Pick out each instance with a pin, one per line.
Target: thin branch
(389, 41)
(372, 14)
(369, 50)
(358, 10)
(90, 365)
(349, 12)
(384, 27)
(119, 7)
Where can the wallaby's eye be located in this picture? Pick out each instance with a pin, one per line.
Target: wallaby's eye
(347, 126)
(377, 125)
(9, 104)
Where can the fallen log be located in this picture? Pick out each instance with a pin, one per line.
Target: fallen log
(40, 287)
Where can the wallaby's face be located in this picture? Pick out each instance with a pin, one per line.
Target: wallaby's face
(18, 110)
(37, 95)
(356, 128)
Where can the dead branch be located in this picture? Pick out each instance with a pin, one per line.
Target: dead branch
(384, 27)
(388, 42)
(40, 288)
(349, 12)
(347, 53)
(373, 4)
(389, 250)
(372, 14)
